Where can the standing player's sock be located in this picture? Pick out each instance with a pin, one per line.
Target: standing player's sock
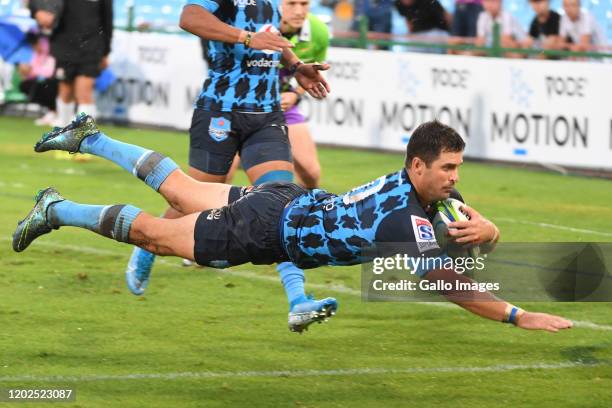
(65, 112)
(151, 167)
(293, 281)
(88, 108)
(112, 221)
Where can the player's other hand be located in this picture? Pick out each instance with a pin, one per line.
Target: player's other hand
(269, 41)
(309, 77)
(477, 230)
(288, 100)
(543, 321)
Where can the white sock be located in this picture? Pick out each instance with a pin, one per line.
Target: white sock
(65, 112)
(89, 109)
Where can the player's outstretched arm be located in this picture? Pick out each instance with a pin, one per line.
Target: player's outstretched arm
(204, 24)
(486, 305)
(307, 75)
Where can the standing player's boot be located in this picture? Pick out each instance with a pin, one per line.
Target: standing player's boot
(303, 314)
(68, 138)
(36, 223)
(138, 271)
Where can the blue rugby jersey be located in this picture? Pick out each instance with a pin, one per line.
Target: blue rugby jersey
(240, 78)
(320, 228)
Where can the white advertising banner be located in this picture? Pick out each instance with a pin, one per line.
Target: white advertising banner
(158, 79)
(527, 111)
(507, 109)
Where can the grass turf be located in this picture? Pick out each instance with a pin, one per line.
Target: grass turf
(65, 312)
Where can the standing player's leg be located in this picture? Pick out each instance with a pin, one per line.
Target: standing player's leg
(305, 158)
(266, 157)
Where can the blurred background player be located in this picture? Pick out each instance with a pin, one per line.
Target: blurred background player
(81, 33)
(239, 109)
(311, 39)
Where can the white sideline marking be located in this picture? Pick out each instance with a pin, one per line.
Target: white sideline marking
(301, 373)
(554, 226)
(250, 275)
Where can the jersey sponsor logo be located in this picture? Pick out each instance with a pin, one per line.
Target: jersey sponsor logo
(219, 129)
(262, 63)
(244, 3)
(423, 233)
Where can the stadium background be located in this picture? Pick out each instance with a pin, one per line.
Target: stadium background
(203, 337)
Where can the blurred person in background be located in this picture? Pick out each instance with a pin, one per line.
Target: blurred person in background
(379, 14)
(544, 28)
(426, 18)
(511, 32)
(37, 78)
(465, 18)
(579, 30)
(81, 32)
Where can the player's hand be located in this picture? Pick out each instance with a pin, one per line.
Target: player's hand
(309, 77)
(288, 100)
(269, 41)
(543, 321)
(477, 230)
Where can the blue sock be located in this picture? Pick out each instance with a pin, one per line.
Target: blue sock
(112, 221)
(151, 167)
(293, 281)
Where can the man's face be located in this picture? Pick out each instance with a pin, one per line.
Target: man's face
(492, 6)
(294, 12)
(438, 180)
(540, 7)
(572, 9)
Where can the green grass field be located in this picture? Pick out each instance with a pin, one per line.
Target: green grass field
(207, 338)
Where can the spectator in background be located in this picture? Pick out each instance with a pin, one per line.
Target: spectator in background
(544, 28)
(37, 79)
(378, 12)
(465, 18)
(81, 32)
(426, 18)
(579, 30)
(511, 32)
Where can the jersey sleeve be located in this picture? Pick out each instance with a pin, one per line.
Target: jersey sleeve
(208, 5)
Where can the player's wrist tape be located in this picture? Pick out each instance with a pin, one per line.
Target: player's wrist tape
(512, 314)
(293, 68)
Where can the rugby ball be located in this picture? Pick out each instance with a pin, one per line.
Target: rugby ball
(448, 211)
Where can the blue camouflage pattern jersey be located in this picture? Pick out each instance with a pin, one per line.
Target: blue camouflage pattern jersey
(241, 79)
(319, 228)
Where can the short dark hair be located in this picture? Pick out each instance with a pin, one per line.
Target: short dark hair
(430, 139)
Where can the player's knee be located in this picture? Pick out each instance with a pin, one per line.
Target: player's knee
(311, 175)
